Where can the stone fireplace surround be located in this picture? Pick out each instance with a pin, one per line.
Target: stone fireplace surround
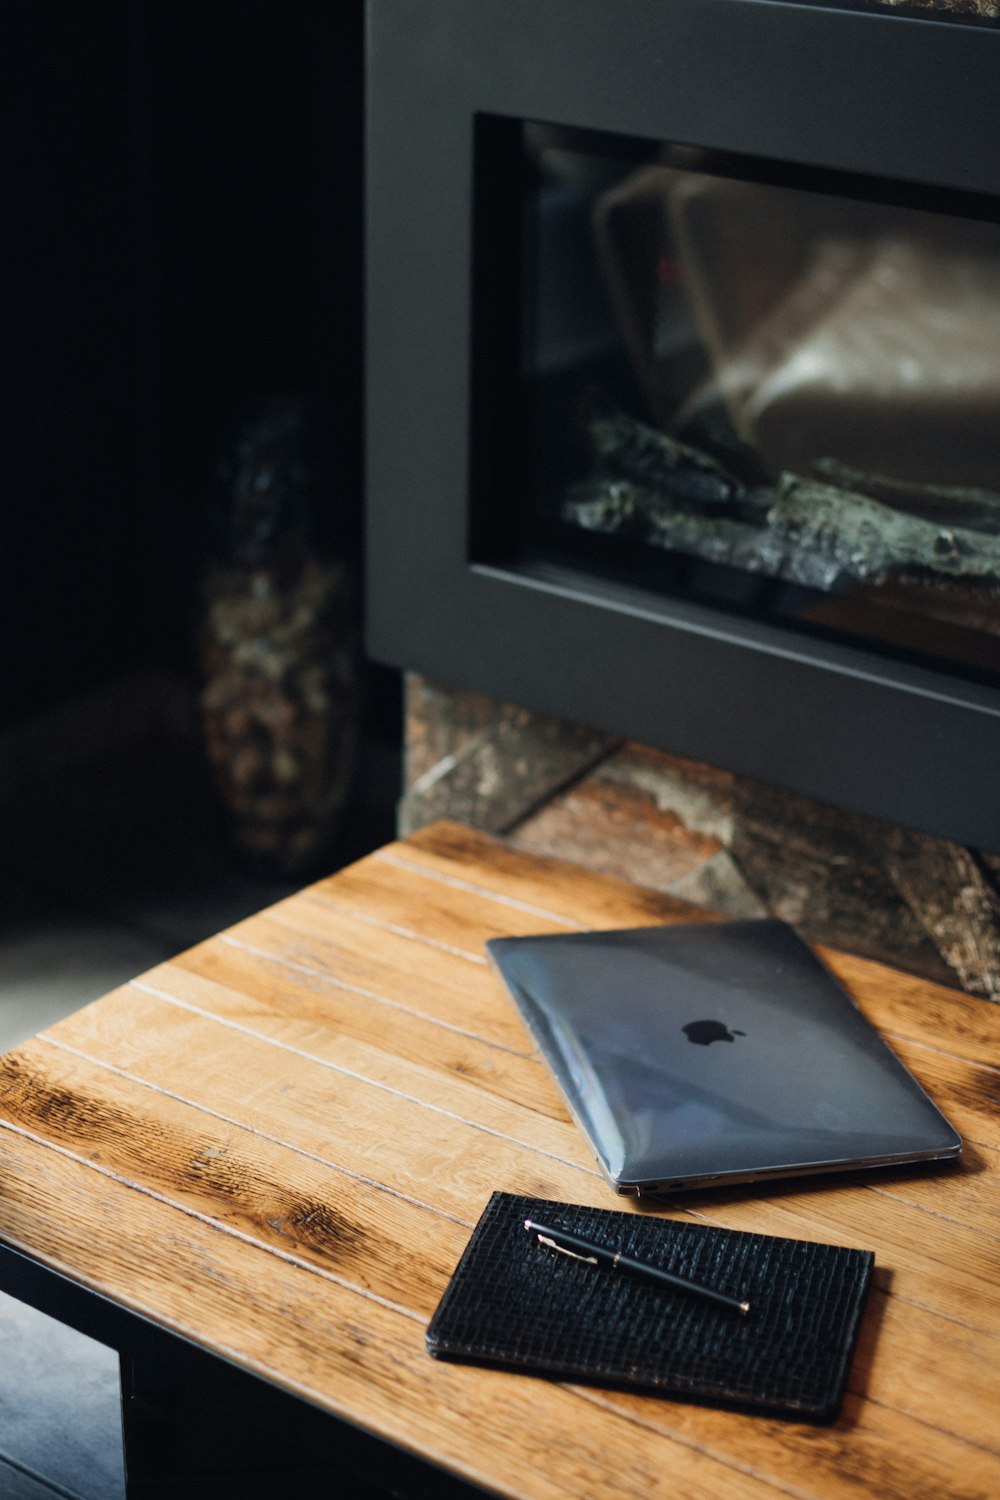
(732, 843)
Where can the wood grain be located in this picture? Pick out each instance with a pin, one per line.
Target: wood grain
(277, 1144)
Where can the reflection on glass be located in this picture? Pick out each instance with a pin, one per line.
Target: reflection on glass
(792, 395)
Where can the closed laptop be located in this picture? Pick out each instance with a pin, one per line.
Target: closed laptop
(715, 1053)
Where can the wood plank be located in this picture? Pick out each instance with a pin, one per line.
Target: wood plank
(967, 1092)
(552, 885)
(957, 1087)
(932, 1261)
(305, 1026)
(312, 1335)
(940, 1356)
(963, 1191)
(280, 1198)
(869, 1450)
(906, 1006)
(453, 1092)
(939, 1019)
(461, 1057)
(413, 1147)
(371, 1113)
(874, 986)
(346, 1352)
(434, 983)
(278, 1143)
(389, 1246)
(395, 899)
(307, 1013)
(966, 1198)
(900, 1003)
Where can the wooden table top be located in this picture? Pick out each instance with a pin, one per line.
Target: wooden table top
(277, 1144)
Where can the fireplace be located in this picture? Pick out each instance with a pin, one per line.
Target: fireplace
(684, 379)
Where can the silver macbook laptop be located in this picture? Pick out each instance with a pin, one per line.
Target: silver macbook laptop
(716, 1053)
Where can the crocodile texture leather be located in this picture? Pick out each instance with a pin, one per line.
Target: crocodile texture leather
(512, 1302)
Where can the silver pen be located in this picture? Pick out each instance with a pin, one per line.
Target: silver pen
(615, 1260)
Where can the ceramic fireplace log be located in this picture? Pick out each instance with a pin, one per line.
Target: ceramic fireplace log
(805, 531)
(812, 534)
(949, 504)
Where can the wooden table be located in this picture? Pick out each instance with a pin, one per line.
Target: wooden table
(272, 1150)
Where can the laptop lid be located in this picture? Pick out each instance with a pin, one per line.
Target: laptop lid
(714, 1053)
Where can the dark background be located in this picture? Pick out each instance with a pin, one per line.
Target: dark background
(182, 235)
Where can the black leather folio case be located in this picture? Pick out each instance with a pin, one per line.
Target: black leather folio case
(514, 1303)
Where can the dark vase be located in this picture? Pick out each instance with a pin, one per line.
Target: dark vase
(277, 653)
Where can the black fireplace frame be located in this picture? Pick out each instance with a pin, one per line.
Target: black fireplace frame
(848, 88)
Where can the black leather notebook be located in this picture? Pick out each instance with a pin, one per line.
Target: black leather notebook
(514, 1303)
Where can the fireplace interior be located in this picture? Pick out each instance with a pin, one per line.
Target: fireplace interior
(761, 395)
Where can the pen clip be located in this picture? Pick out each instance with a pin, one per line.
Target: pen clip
(591, 1260)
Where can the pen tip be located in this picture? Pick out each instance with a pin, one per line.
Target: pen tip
(744, 1309)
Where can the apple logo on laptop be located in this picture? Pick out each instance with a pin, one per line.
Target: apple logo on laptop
(706, 1032)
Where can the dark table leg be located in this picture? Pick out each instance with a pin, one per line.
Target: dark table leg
(198, 1427)
(203, 1429)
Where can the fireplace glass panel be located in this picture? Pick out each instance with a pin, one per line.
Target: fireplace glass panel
(777, 396)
